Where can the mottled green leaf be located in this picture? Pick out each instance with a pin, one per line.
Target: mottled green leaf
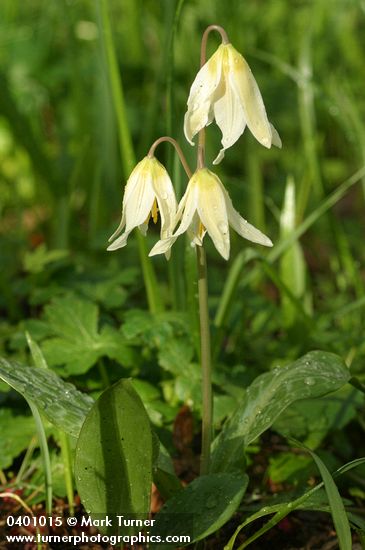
(61, 403)
(114, 455)
(315, 374)
(201, 508)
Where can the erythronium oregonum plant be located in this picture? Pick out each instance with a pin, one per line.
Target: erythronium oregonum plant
(117, 450)
(224, 89)
(118, 454)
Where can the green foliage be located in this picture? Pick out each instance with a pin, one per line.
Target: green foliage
(77, 343)
(313, 375)
(60, 402)
(113, 454)
(63, 162)
(16, 432)
(202, 507)
(311, 420)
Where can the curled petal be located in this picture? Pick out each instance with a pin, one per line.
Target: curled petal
(275, 137)
(202, 90)
(247, 91)
(242, 227)
(120, 242)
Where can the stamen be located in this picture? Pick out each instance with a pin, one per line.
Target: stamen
(201, 230)
(154, 211)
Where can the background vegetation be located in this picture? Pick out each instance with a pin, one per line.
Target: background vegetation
(63, 161)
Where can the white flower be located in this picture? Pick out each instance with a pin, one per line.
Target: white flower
(148, 191)
(225, 90)
(206, 207)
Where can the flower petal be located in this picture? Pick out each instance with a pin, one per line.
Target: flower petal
(119, 228)
(139, 204)
(120, 242)
(245, 86)
(163, 246)
(241, 226)
(186, 211)
(275, 137)
(199, 102)
(212, 211)
(166, 200)
(229, 115)
(137, 199)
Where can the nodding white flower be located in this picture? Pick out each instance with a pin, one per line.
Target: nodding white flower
(225, 90)
(207, 207)
(148, 191)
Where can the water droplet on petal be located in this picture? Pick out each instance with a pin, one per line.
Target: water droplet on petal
(223, 227)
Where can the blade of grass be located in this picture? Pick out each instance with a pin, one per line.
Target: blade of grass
(67, 466)
(126, 147)
(338, 511)
(41, 363)
(175, 265)
(43, 445)
(283, 509)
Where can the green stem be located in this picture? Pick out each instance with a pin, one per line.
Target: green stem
(205, 349)
(67, 465)
(207, 415)
(126, 148)
(45, 455)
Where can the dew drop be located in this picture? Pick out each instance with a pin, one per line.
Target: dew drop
(211, 502)
(223, 227)
(309, 381)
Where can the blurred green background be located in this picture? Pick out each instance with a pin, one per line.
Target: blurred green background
(62, 177)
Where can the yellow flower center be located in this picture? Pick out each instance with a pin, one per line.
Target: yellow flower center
(201, 230)
(153, 213)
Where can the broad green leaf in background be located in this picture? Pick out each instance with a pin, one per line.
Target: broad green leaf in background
(16, 432)
(316, 373)
(114, 456)
(176, 355)
(77, 343)
(164, 475)
(60, 402)
(310, 420)
(201, 508)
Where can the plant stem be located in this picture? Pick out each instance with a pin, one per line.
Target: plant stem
(126, 149)
(205, 355)
(44, 454)
(207, 415)
(178, 149)
(67, 466)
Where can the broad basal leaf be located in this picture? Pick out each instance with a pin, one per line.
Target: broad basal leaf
(61, 403)
(313, 375)
(114, 456)
(201, 508)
